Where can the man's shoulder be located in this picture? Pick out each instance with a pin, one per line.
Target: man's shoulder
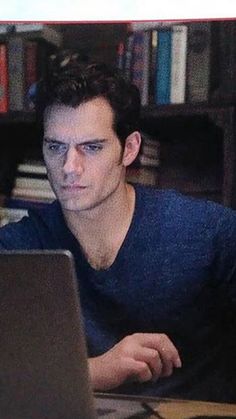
(177, 209)
(28, 233)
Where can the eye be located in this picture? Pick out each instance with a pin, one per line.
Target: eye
(56, 147)
(92, 148)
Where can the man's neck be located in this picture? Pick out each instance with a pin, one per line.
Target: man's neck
(104, 219)
(101, 232)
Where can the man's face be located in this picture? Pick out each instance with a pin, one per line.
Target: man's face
(83, 154)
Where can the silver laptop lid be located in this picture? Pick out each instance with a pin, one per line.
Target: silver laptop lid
(43, 359)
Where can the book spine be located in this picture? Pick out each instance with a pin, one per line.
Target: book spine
(163, 68)
(227, 63)
(143, 175)
(145, 25)
(153, 63)
(198, 62)
(178, 63)
(128, 56)
(27, 193)
(31, 52)
(121, 56)
(32, 183)
(141, 63)
(31, 168)
(146, 68)
(11, 215)
(3, 79)
(137, 60)
(148, 161)
(16, 74)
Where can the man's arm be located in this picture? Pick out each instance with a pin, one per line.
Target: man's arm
(139, 357)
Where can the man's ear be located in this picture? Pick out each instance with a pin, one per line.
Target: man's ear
(132, 147)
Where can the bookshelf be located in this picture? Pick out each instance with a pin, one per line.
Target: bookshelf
(208, 106)
(215, 116)
(24, 56)
(223, 117)
(176, 127)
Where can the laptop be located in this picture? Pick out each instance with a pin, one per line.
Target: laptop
(43, 357)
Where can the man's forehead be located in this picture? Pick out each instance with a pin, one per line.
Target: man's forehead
(82, 123)
(96, 106)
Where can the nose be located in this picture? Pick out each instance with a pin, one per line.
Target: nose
(73, 162)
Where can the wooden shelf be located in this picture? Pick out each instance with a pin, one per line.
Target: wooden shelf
(156, 111)
(17, 117)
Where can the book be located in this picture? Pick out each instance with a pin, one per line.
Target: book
(143, 175)
(227, 62)
(3, 79)
(28, 62)
(148, 161)
(19, 203)
(151, 151)
(121, 55)
(178, 63)
(32, 183)
(33, 194)
(146, 68)
(163, 68)
(150, 147)
(6, 28)
(149, 25)
(16, 67)
(140, 64)
(41, 31)
(128, 55)
(31, 71)
(153, 62)
(11, 215)
(35, 168)
(198, 62)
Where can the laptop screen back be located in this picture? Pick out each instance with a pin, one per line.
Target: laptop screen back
(43, 359)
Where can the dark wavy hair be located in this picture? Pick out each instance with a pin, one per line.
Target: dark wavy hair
(80, 83)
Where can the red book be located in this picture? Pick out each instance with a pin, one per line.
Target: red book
(3, 79)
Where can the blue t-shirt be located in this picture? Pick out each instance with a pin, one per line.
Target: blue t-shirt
(175, 273)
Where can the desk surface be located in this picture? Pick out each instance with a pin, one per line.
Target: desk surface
(122, 407)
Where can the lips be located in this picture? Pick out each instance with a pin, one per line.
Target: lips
(71, 187)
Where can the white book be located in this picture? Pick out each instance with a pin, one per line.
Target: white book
(33, 194)
(149, 161)
(148, 139)
(178, 63)
(11, 215)
(32, 183)
(150, 151)
(39, 169)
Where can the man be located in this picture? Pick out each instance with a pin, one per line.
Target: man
(156, 270)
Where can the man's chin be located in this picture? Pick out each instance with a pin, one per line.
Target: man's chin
(70, 204)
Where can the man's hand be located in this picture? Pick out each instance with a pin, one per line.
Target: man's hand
(139, 357)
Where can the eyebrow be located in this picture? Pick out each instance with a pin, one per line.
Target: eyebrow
(92, 141)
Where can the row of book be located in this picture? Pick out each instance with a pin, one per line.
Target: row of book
(171, 63)
(24, 56)
(32, 184)
(31, 190)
